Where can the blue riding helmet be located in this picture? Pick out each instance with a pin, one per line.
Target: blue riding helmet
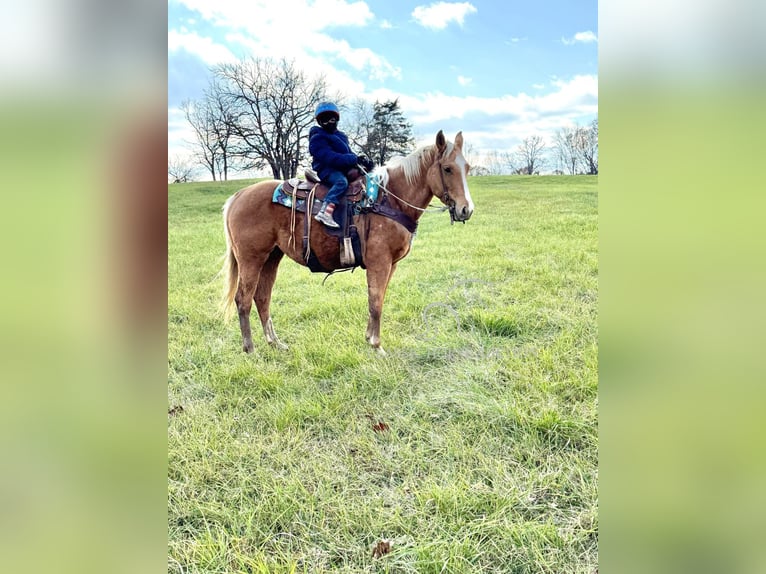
(325, 107)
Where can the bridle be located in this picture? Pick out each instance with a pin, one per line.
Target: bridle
(446, 199)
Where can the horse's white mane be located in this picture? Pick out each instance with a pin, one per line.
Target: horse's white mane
(412, 165)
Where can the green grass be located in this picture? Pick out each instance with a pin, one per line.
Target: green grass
(487, 461)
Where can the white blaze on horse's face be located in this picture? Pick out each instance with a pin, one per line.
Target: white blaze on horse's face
(464, 167)
(455, 184)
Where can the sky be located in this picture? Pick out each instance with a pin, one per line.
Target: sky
(497, 70)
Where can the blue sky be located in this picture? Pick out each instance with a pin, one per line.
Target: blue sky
(497, 70)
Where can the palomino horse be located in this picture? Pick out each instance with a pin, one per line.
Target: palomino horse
(258, 233)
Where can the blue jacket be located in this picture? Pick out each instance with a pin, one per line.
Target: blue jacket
(330, 152)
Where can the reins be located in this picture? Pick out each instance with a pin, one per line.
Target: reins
(445, 198)
(430, 208)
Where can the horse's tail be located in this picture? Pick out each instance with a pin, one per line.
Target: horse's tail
(230, 268)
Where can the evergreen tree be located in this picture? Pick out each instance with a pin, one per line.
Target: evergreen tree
(390, 134)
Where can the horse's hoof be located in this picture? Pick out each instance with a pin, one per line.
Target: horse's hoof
(279, 345)
(248, 348)
(380, 351)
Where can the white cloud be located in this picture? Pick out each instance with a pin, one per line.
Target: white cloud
(538, 86)
(576, 96)
(386, 25)
(438, 15)
(511, 117)
(463, 81)
(180, 134)
(207, 50)
(260, 15)
(361, 59)
(584, 37)
(265, 27)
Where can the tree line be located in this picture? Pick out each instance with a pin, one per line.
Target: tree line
(573, 151)
(255, 114)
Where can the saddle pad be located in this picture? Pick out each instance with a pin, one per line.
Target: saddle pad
(371, 188)
(283, 198)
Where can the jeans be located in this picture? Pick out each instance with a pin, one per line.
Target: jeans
(338, 184)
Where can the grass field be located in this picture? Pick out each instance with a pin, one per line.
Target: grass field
(471, 447)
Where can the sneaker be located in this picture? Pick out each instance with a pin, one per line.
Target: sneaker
(327, 219)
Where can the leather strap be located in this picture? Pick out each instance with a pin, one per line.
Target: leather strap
(400, 217)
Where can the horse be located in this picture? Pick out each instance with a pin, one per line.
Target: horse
(259, 233)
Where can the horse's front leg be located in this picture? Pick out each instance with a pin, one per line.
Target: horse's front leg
(378, 278)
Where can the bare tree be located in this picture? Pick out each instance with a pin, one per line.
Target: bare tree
(217, 103)
(202, 120)
(509, 161)
(358, 123)
(566, 148)
(180, 170)
(470, 155)
(210, 119)
(499, 162)
(530, 155)
(493, 163)
(271, 106)
(479, 171)
(588, 147)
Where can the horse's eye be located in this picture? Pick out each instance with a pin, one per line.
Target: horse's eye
(447, 170)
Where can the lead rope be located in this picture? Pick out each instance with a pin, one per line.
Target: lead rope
(424, 210)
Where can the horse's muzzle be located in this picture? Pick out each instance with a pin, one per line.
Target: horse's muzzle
(461, 213)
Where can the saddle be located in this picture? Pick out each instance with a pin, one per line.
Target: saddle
(301, 189)
(307, 196)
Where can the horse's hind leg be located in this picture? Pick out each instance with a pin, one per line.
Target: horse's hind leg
(263, 296)
(249, 272)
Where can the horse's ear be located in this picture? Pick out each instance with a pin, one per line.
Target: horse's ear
(459, 141)
(441, 142)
